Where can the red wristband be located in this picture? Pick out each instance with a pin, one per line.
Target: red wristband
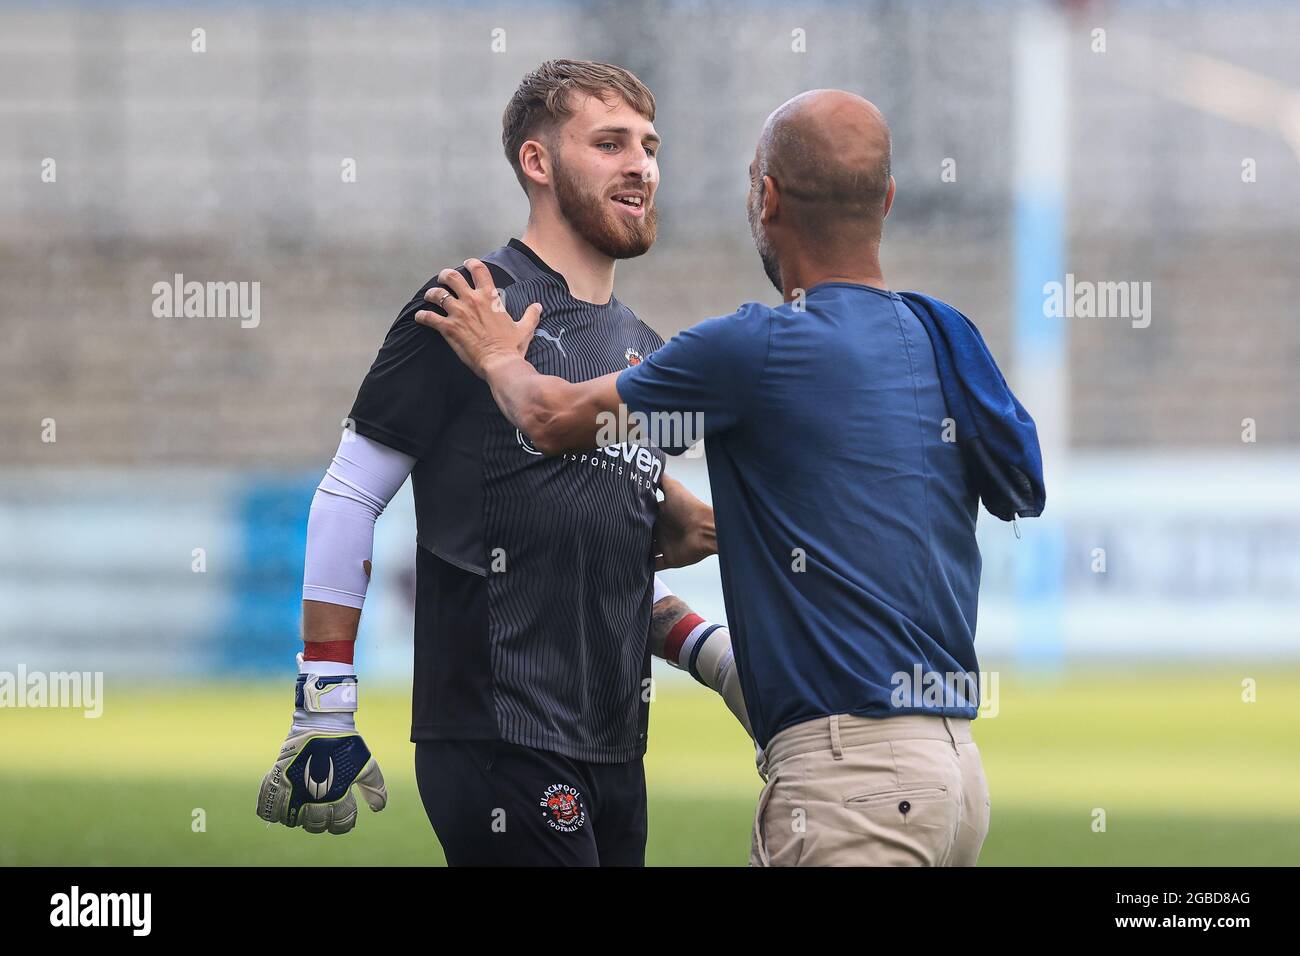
(677, 636)
(340, 651)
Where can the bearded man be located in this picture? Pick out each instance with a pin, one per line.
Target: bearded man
(535, 574)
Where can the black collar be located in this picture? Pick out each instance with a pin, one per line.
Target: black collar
(519, 246)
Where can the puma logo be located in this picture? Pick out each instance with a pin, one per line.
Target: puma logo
(553, 339)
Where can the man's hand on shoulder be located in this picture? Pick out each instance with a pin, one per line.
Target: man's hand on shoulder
(477, 325)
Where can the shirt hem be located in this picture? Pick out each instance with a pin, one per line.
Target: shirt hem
(963, 713)
(391, 439)
(565, 748)
(454, 562)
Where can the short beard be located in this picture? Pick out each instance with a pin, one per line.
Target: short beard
(766, 253)
(600, 227)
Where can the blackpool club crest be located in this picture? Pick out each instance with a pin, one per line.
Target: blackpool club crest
(562, 808)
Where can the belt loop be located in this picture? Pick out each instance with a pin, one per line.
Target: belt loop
(836, 750)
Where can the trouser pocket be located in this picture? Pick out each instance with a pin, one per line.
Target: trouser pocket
(887, 803)
(758, 855)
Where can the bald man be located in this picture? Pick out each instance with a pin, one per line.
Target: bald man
(845, 521)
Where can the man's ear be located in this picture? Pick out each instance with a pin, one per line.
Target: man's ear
(889, 197)
(535, 161)
(771, 199)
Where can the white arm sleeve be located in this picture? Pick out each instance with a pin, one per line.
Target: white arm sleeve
(661, 591)
(360, 481)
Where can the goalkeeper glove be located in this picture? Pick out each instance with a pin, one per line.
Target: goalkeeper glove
(310, 784)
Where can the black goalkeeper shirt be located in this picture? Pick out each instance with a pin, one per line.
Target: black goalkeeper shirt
(534, 574)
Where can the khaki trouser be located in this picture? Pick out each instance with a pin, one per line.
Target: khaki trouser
(860, 791)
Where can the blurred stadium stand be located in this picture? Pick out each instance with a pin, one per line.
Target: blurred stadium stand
(225, 166)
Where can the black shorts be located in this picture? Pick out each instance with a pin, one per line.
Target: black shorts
(493, 803)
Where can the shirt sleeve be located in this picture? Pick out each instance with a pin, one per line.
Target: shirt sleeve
(710, 372)
(411, 389)
(403, 399)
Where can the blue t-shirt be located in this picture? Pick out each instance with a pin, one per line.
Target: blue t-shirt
(846, 526)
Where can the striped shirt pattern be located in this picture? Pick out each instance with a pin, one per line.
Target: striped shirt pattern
(568, 550)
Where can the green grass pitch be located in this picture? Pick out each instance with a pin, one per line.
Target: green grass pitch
(1185, 770)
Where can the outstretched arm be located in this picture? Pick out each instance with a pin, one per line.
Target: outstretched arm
(689, 642)
(555, 414)
(708, 379)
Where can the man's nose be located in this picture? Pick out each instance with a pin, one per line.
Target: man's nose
(641, 171)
